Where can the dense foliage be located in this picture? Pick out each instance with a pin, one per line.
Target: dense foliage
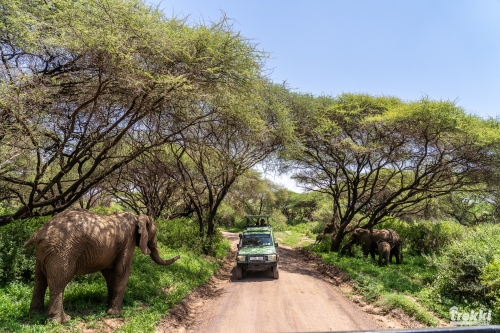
(378, 157)
(88, 86)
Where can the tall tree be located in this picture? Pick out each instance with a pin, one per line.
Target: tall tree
(379, 157)
(243, 130)
(251, 194)
(147, 186)
(87, 86)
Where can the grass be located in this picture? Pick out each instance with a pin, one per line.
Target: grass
(397, 286)
(297, 235)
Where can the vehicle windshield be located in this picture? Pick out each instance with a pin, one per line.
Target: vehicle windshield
(256, 240)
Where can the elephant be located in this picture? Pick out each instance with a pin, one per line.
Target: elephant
(384, 253)
(319, 239)
(370, 237)
(78, 241)
(328, 229)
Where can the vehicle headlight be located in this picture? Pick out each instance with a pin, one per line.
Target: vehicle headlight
(241, 258)
(272, 257)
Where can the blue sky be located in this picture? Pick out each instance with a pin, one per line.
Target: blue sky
(443, 49)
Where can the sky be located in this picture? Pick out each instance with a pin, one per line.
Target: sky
(441, 49)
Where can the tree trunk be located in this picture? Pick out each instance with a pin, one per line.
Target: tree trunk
(339, 237)
(210, 228)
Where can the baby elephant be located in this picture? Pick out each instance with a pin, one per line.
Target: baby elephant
(384, 252)
(82, 242)
(319, 239)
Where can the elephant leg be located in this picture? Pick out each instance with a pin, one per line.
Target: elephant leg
(37, 302)
(109, 276)
(56, 310)
(57, 279)
(373, 250)
(380, 256)
(369, 248)
(346, 249)
(397, 253)
(366, 249)
(387, 256)
(120, 276)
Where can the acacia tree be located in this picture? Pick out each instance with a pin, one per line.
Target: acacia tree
(251, 194)
(147, 187)
(87, 86)
(241, 131)
(380, 157)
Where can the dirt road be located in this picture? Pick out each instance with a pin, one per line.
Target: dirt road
(299, 301)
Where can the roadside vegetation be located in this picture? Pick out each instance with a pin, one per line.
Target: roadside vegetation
(113, 106)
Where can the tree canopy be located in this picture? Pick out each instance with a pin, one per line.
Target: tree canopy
(87, 86)
(380, 157)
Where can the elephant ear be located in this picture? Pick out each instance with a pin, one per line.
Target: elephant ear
(142, 223)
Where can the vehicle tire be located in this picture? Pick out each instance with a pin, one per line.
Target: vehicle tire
(276, 272)
(239, 273)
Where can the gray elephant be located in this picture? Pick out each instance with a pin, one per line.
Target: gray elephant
(82, 242)
(384, 253)
(369, 239)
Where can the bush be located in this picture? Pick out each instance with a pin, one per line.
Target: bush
(225, 215)
(462, 263)
(184, 233)
(103, 210)
(325, 245)
(17, 263)
(426, 237)
(278, 221)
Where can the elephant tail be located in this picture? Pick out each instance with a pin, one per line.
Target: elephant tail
(32, 240)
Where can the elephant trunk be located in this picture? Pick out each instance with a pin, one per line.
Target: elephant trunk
(155, 255)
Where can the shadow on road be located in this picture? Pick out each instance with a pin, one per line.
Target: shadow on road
(263, 276)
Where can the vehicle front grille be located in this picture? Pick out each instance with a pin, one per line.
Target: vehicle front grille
(257, 258)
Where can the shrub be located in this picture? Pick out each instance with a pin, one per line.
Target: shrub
(278, 221)
(325, 245)
(17, 263)
(490, 278)
(426, 237)
(103, 210)
(462, 262)
(184, 233)
(225, 216)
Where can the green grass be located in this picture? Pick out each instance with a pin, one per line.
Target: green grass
(396, 286)
(297, 235)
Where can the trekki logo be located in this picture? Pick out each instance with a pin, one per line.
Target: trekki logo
(469, 317)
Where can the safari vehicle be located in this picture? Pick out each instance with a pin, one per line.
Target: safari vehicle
(257, 249)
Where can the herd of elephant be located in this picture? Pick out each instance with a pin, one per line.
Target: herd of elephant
(386, 242)
(78, 241)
